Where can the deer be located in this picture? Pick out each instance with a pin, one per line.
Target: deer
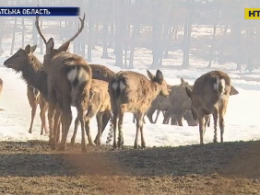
(31, 68)
(163, 104)
(133, 92)
(210, 95)
(48, 58)
(102, 73)
(35, 98)
(99, 105)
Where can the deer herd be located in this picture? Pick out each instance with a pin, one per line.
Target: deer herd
(65, 79)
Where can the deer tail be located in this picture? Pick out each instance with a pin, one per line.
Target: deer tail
(220, 85)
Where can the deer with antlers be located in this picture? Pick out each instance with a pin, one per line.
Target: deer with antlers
(210, 95)
(36, 98)
(69, 80)
(134, 92)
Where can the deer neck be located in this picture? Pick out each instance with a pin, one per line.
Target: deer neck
(155, 90)
(34, 75)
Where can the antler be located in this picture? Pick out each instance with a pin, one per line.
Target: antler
(39, 30)
(82, 21)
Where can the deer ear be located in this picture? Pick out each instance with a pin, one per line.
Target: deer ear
(49, 45)
(159, 75)
(33, 48)
(188, 91)
(27, 49)
(150, 75)
(64, 46)
(233, 91)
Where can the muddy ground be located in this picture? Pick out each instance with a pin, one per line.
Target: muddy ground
(226, 169)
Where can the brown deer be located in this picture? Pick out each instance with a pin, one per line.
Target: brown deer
(69, 81)
(35, 97)
(99, 105)
(52, 52)
(31, 68)
(210, 95)
(133, 92)
(99, 72)
(165, 104)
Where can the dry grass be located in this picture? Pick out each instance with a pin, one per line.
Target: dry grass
(212, 169)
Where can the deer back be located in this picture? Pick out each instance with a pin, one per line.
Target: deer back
(210, 91)
(101, 72)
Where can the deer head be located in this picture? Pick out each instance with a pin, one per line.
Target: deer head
(159, 81)
(19, 60)
(50, 51)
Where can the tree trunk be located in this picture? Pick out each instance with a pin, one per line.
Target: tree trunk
(132, 49)
(13, 37)
(212, 48)
(105, 33)
(187, 36)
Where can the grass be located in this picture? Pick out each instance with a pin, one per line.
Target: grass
(212, 169)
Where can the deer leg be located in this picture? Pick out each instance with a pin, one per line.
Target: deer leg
(66, 118)
(92, 110)
(173, 120)
(76, 124)
(33, 112)
(56, 130)
(105, 119)
(202, 127)
(99, 123)
(167, 115)
(138, 116)
(120, 124)
(150, 113)
(51, 111)
(179, 119)
(81, 118)
(141, 131)
(114, 121)
(215, 118)
(133, 118)
(43, 107)
(208, 120)
(157, 116)
(222, 122)
(110, 132)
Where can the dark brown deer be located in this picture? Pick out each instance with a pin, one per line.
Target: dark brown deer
(31, 68)
(210, 95)
(99, 105)
(35, 98)
(133, 92)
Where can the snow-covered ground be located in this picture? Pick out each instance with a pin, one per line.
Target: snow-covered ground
(242, 119)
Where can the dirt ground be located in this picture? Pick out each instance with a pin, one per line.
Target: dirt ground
(226, 169)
